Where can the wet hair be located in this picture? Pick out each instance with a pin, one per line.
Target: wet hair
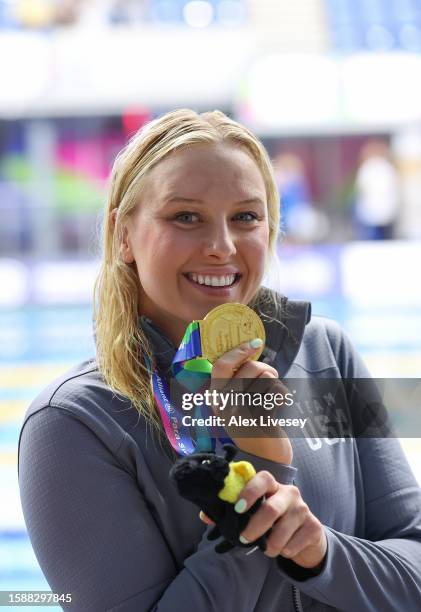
(120, 340)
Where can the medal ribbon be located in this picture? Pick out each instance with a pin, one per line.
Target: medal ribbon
(192, 372)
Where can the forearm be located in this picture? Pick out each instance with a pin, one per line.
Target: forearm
(223, 582)
(210, 581)
(370, 576)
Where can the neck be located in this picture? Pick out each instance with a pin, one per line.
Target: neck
(174, 333)
(175, 336)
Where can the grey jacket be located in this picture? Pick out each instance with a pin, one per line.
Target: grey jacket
(108, 527)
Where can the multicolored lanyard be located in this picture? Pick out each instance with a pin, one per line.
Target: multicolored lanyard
(192, 372)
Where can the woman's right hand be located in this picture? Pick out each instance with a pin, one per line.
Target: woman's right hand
(234, 365)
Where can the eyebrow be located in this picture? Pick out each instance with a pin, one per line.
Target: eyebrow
(175, 199)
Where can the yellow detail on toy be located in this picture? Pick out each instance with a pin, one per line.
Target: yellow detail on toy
(238, 476)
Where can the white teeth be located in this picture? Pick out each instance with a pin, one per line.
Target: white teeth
(213, 281)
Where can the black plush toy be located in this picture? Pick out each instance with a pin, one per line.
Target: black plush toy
(214, 483)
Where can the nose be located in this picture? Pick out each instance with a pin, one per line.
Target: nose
(219, 242)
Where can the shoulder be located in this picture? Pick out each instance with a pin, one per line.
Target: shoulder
(326, 347)
(78, 371)
(70, 391)
(325, 332)
(79, 398)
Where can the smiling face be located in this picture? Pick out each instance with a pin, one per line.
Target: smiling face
(199, 235)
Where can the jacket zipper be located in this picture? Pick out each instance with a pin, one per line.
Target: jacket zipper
(296, 599)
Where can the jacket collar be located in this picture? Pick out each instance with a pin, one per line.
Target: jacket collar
(284, 324)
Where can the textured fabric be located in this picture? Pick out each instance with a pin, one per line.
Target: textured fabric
(107, 525)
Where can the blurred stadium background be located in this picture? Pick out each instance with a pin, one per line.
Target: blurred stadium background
(333, 89)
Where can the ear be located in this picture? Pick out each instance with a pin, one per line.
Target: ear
(125, 248)
(230, 451)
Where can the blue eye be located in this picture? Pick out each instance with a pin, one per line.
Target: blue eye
(185, 217)
(251, 216)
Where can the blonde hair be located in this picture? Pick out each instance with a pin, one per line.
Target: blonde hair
(120, 340)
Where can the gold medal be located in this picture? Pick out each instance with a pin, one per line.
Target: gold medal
(227, 326)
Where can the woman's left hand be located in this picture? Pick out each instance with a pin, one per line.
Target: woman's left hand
(296, 533)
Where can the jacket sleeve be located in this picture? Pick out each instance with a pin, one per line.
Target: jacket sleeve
(382, 569)
(95, 537)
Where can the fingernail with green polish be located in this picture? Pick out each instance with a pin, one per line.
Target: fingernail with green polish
(256, 343)
(240, 506)
(243, 540)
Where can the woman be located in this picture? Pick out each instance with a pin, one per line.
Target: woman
(191, 223)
